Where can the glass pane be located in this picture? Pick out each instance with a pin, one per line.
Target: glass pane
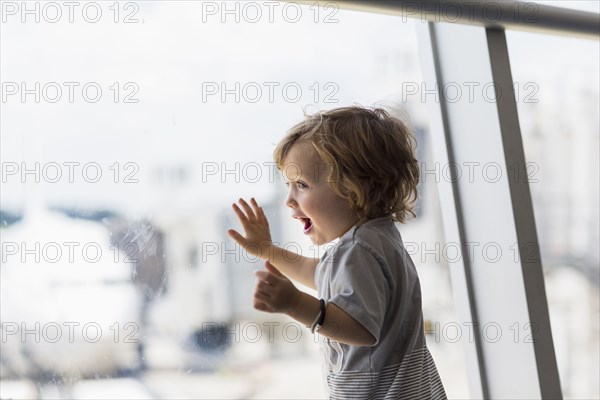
(127, 130)
(558, 107)
(425, 242)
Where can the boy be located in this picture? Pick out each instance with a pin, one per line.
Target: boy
(351, 174)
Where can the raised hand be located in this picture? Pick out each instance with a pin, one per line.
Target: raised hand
(274, 292)
(257, 239)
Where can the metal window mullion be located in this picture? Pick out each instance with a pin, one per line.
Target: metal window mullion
(507, 292)
(529, 251)
(451, 210)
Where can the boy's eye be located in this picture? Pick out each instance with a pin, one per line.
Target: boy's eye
(299, 185)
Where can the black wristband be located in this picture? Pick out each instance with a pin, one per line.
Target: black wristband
(322, 307)
(320, 317)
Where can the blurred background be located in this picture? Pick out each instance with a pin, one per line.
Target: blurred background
(129, 128)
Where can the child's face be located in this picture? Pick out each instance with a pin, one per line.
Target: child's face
(324, 215)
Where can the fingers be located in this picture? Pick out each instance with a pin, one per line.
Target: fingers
(262, 300)
(250, 212)
(273, 270)
(270, 292)
(261, 296)
(255, 207)
(235, 235)
(262, 217)
(271, 277)
(259, 212)
(262, 306)
(266, 277)
(240, 214)
(250, 215)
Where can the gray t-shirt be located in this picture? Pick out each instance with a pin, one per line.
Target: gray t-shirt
(370, 276)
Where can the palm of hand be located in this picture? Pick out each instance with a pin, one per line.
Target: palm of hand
(257, 235)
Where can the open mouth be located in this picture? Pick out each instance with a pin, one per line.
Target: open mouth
(307, 225)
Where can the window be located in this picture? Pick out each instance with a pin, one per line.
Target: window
(559, 123)
(128, 129)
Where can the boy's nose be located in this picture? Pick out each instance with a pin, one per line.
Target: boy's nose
(290, 202)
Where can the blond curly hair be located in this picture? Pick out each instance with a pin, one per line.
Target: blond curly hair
(368, 156)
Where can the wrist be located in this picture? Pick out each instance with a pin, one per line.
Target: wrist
(320, 318)
(267, 251)
(295, 303)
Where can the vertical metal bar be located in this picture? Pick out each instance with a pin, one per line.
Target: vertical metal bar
(503, 293)
(452, 212)
(529, 251)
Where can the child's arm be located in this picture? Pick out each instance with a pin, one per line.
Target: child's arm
(258, 243)
(275, 293)
(299, 268)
